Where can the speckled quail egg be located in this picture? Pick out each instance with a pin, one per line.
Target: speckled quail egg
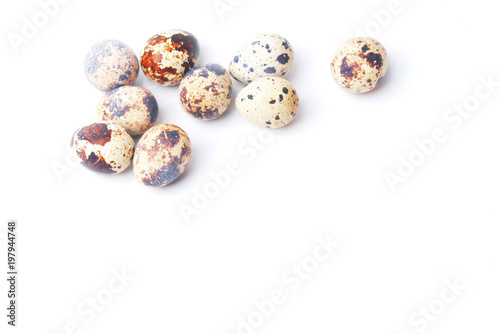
(162, 155)
(103, 147)
(205, 91)
(271, 102)
(134, 108)
(169, 55)
(359, 64)
(264, 55)
(111, 64)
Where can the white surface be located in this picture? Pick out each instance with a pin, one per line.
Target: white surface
(321, 176)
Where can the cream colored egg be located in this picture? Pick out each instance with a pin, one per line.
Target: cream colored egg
(269, 102)
(162, 155)
(111, 64)
(359, 64)
(205, 91)
(262, 56)
(134, 108)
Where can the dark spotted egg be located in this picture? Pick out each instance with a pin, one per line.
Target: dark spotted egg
(162, 155)
(359, 64)
(169, 55)
(111, 64)
(269, 102)
(264, 55)
(103, 147)
(205, 91)
(134, 108)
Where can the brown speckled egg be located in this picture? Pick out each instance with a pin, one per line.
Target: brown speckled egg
(134, 108)
(271, 102)
(103, 147)
(263, 56)
(168, 56)
(359, 64)
(162, 154)
(205, 91)
(111, 64)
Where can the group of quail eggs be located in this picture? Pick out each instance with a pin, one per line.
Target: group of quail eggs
(169, 59)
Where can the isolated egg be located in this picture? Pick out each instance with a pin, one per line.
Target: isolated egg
(359, 64)
(162, 154)
(134, 108)
(264, 55)
(169, 55)
(111, 64)
(271, 102)
(205, 91)
(103, 147)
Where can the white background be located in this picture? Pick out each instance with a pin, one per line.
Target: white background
(321, 176)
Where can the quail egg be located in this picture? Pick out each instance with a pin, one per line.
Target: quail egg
(359, 64)
(205, 91)
(162, 155)
(111, 64)
(103, 147)
(270, 102)
(168, 56)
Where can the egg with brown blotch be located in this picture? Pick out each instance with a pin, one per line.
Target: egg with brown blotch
(162, 155)
(359, 64)
(270, 102)
(134, 108)
(103, 147)
(205, 91)
(111, 64)
(169, 55)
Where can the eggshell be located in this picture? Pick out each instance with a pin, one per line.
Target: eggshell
(205, 91)
(103, 147)
(359, 64)
(111, 64)
(271, 102)
(134, 108)
(168, 56)
(162, 155)
(264, 55)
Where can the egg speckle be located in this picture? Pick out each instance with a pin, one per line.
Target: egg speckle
(162, 155)
(205, 91)
(134, 108)
(111, 64)
(103, 147)
(169, 55)
(359, 64)
(270, 102)
(264, 55)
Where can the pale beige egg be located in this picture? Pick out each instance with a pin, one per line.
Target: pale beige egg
(262, 56)
(111, 64)
(269, 102)
(134, 108)
(359, 64)
(162, 155)
(205, 91)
